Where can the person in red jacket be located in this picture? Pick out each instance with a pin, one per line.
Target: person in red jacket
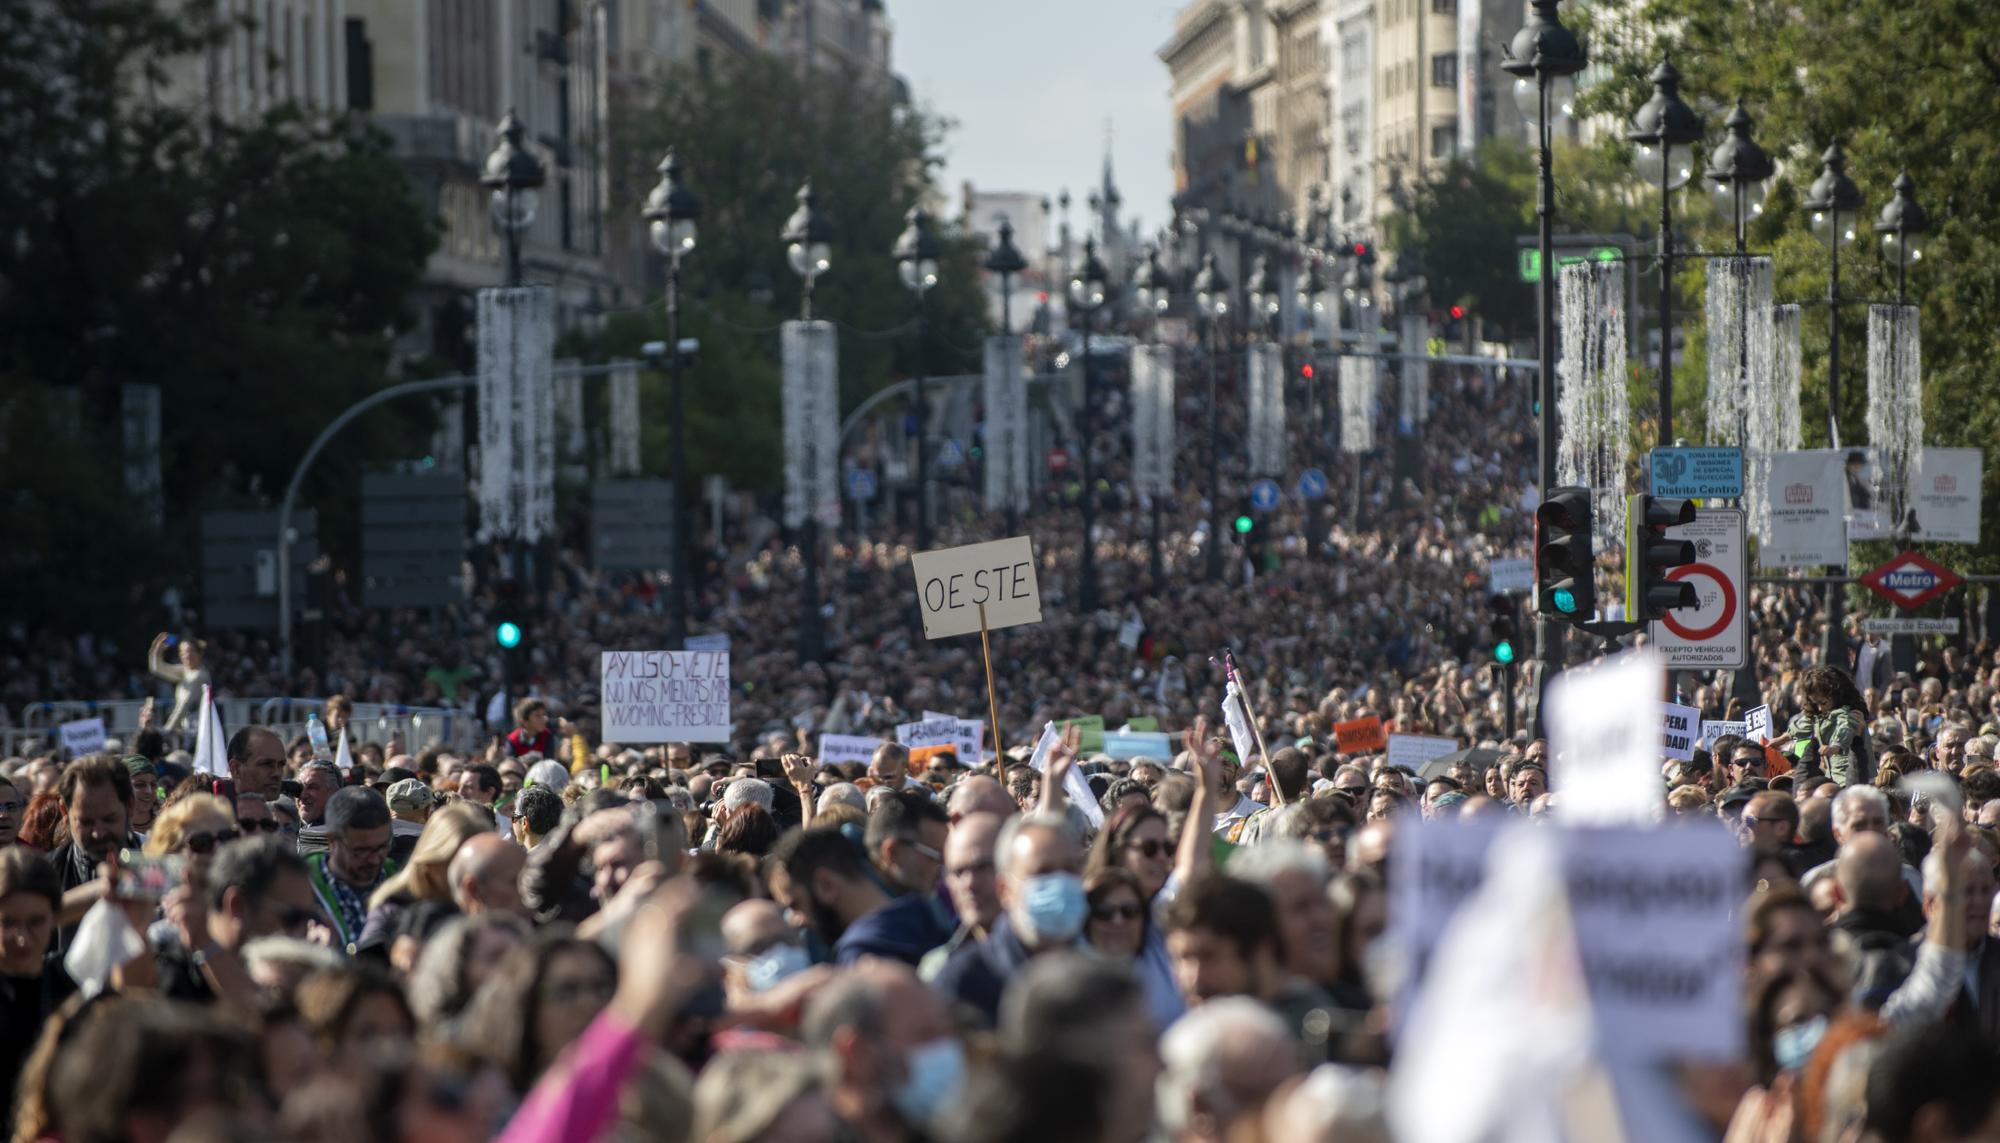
(531, 733)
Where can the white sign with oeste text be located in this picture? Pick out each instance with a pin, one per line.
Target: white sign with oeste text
(953, 583)
(665, 696)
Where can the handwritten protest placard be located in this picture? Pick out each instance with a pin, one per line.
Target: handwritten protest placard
(1679, 729)
(1360, 736)
(84, 736)
(838, 748)
(665, 696)
(953, 583)
(1413, 750)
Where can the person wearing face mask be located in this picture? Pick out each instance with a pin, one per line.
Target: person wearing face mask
(1042, 908)
(886, 1044)
(826, 881)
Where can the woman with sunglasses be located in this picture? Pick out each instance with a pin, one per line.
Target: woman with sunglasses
(193, 827)
(1118, 918)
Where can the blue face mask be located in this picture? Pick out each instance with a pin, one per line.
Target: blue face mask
(774, 964)
(936, 1081)
(1052, 909)
(1793, 1046)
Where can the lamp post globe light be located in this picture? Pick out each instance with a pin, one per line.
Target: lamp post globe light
(808, 241)
(513, 174)
(671, 211)
(1265, 300)
(1006, 260)
(1832, 203)
(1665, 130)
(1739, 168)
(1547, 54)
(1903, 225)
(1211, 301)
(1089, 288)
(916, 253)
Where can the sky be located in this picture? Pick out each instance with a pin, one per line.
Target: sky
(1031, 84)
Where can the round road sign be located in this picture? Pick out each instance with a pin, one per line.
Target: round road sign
(1726, 594)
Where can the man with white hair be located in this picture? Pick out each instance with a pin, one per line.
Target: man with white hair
(1221, 1062)
(1858, 810)
(843, 794)
(1295, 875)
(739, 793)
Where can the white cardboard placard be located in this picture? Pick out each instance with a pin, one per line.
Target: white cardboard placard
(665, 696)
(953, 582)
(1604, 739)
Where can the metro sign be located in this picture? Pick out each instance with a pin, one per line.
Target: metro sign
(1910, 580)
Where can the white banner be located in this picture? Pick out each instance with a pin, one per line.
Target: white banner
(1807, 525)
(1357, 389)
(837, 748)
(971, 735)
(1604, 741)
(665, 696)
(625, 418)
(1945, 492)
(1266, 388)
(812, 423)
(1413, 750)
(1153, 419)
(517, 413)
(1005, 395)
(84, 736)
(953, 584)
(1712, 729)
(1414, 391)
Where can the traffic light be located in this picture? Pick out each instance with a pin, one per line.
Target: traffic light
(1503, 628)
(1650, 556)
(510, 632)
(1565, 585)
(507, 634)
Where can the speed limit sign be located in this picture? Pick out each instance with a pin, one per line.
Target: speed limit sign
(1713, 633)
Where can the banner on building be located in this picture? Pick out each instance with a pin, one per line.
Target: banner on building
(625, 418)
(812, 423)
(1945, 495)
(1005, 395)
(1267, 410)
(517, 413)
(1806, 525)
(1153, 419)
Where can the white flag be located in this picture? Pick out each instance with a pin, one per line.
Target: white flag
(1073, 782)
(210, 747)
(1233, 712)
(343, 757)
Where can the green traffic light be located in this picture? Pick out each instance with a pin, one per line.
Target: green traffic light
(508, 635)
(1503, 652)
(1565, 600)
(1244, 524)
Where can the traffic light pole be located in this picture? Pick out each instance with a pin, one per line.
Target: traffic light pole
(1548, 632)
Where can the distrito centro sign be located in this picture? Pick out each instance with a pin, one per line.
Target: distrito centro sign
(1712, 633)
(1910, 580)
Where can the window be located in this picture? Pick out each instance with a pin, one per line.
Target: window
(1445, 7)
(1444, 140)
(1444, 70)
(360, 66)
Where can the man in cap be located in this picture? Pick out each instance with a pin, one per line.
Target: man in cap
(410, 805)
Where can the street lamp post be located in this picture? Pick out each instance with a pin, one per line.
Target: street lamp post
(513, 175)
(808, 239)
(1833, 202)
(1549, 54)
(1315, 301)
(1739, 167)
(671, 211)
(1006, 260)
(1665, 129)
(917, 261)
(1903, 224)
(1211, 300)
(1153, 285)
(1088, 290)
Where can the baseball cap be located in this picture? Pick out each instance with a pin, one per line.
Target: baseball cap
(410, 794)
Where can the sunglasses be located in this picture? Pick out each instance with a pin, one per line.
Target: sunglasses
(1149, 849)
(265, 825)
(1129, 911)
(205, 843)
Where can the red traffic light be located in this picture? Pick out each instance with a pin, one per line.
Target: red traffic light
(1306, 371)
(1457, 312)
(1360, 248)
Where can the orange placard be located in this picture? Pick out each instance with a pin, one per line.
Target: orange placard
(1360, 736)
(920, 757)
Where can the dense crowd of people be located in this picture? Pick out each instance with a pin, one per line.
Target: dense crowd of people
(550, 936)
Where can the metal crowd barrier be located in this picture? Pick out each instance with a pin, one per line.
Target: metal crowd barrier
(417, 726)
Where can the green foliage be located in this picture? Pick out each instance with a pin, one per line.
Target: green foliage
(1901, 86)
(747, 134)
(255, 270)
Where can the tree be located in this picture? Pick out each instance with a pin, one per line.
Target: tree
(1902, 87)
(255, 270)
(748, 133)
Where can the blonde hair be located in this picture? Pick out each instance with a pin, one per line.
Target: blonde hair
(170, 828)
(423, 876)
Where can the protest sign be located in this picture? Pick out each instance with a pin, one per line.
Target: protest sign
(715, 642)
(941, 730)
(1656, 938)
(837, 748)
(1413, 750)
(1680, 727)
(1147, 744)
(1141, 724)
(954, 584)
(1712, 729)
(971, 735)
(1075, 786)
(665, 696)
(1604, 740)
(84, 736)
(1093, 732)
(1360, 736)
(1757, 724)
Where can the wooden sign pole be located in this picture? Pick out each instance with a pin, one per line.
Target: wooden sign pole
(992, 700)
